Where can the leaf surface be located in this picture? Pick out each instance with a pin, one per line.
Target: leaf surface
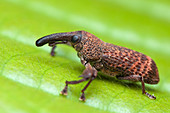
(31, 79)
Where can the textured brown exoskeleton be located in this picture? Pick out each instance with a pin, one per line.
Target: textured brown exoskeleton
(112, 60)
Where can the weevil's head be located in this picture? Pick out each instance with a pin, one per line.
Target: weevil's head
(73, 39)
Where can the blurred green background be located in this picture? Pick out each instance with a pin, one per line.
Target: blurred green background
(30, 79)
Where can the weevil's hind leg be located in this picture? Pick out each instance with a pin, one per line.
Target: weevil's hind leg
(144, 92)
(52, 53)
(88, 73)
(137, 78)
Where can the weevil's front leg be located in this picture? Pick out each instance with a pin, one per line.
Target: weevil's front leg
(52, 53)
(144, 92)
(53, 45)
(88, 73)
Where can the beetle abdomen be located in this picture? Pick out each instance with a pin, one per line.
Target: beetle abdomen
(121, 61)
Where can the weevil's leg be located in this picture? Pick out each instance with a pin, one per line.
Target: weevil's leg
(88, 73)
(52, 53)
(64, 91)
(131, 77)
(137, 78)
(144, 92)
(82, 97)
(53, 45)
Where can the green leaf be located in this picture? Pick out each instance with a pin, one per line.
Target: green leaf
(31, 80)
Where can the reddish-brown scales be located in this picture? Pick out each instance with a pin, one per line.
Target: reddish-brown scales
(129, 62)
(110, 59)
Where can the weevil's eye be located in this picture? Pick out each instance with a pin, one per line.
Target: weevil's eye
(74, 39)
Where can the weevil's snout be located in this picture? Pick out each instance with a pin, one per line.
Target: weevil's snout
(59, 38)
(39, 42)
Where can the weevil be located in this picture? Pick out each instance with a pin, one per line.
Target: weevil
(110, 59)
